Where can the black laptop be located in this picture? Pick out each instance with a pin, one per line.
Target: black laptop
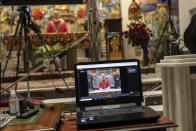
(110, 92)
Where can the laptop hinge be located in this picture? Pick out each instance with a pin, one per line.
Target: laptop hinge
(109, 106)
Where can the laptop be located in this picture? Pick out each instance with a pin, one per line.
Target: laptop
(110, 92)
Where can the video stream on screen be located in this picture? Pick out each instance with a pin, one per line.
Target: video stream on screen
(103, 82)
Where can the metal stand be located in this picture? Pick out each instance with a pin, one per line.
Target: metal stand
(94, 28)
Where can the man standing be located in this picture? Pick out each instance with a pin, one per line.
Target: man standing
(104, 83)
(56, 25)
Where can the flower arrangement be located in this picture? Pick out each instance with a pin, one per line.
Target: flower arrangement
(138, 34)
(38, 15)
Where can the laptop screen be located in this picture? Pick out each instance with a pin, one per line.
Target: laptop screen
(108, 82)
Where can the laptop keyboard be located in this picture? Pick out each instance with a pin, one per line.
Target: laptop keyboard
(117, 111)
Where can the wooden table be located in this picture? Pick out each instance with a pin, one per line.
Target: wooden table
(48, 121)
(160, 125)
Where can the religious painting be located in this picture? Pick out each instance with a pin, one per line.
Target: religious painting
(115, 48)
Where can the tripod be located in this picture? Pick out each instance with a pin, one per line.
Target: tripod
(22, 24)
(173, 30)
(25, 23)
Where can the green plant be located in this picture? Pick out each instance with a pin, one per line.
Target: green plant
(42, 54)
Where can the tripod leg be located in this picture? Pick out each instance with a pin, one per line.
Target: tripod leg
(159, 43)
(18, 55)
(11, 48)
(172, 26)
(27, 42)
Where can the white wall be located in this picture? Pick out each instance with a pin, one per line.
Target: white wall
(185, 17)
(124, 13)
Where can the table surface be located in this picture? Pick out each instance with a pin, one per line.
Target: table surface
(48, 121)
(162, 123)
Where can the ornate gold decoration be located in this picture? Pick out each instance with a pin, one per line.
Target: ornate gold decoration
(50, 39)
(115, 53)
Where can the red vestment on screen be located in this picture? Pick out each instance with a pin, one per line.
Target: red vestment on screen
(104, 83)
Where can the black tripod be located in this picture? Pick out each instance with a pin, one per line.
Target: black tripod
(22, 24)
(25, 23)
(174, 33)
